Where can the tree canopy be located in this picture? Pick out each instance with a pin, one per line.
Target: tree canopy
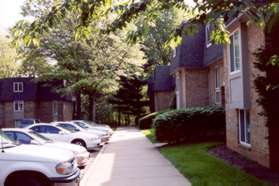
(8, 59)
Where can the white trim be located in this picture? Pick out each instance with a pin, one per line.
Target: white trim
(243, 143)
(240, 52)
(18, 102)
(17, 85)
(217, 89)
(207, 36)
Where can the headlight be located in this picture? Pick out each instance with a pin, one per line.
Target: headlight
(64, 168)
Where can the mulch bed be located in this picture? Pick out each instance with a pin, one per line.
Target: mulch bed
(245, 164)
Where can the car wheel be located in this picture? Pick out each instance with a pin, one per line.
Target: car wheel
(79, 142)
(27, 181)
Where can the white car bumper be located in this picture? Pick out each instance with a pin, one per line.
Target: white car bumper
(92, 144)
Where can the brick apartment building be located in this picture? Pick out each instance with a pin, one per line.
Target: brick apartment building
(24, 98)
(207, 74)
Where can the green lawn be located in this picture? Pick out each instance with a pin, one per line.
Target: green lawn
(202, 169)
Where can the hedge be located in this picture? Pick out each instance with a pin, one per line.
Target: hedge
(146, 121)
(193, 124)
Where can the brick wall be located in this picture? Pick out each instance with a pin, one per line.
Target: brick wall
(196, 87)
(67, 111)
(163, 100)
(259, 150)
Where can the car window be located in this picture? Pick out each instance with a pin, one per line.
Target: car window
(10, 135)
(69, 127)
(23, 138)
(39, 129)
(52, 130)
(82, 125)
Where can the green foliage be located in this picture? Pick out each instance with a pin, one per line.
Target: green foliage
(146, 121)
(129, 99)
(191, 124)
(201, 168)
(8, 59)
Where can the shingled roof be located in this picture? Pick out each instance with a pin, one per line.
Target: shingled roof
(161, 80)
(193, 52)
(33, 91)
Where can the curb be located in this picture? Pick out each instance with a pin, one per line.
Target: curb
(92, 164)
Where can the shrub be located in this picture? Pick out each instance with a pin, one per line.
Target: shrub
(146, 121)
(193, 124)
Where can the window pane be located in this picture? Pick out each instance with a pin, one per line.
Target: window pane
(232, 54)
(248, 132)
(52, 130)
(10, 135)
(23, 138)
(237, 50)
(242, 125)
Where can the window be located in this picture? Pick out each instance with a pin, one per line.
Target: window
(39, 129)
(174, 53)
(10, 135)
(235, 51)
(244, 127)
(52, 130)
(217, 78)
(18, 106)
(208, 29)
(69, 127)
(55, 110)
(18, 86)
(23, 138)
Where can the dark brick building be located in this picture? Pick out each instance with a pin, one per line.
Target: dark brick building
(25, 98)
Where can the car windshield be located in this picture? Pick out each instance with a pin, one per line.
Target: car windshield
(83, 125)
(69, 129)
(39, 137)
(5, 142)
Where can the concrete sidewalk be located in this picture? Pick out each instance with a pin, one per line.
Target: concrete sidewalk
(131, 160)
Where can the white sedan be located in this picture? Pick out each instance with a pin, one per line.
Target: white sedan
(27, 136)
(74, 127)
(56, 133)
(91, 125)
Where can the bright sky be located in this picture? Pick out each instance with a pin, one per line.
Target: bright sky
(9, 13)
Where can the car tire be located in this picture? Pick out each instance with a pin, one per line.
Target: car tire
(27, 181)
(79, 142)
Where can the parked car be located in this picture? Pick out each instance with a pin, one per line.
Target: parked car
(91, 125)
(74, 127)
(21, 123)
(56, 133)
(27, 136)
(33, 165)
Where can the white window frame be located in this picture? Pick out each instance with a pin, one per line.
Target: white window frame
(18, 86)
(174, 53)
(240, 52)
(208, 35)
(16, 109)
(247, 129)
(217, 77)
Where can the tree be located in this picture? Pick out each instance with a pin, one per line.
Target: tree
(8, 63)
(154, 35)
(129, 99)
(123, 12)
(89, 67)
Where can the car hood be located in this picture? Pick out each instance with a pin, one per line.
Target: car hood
(39, 153)
(76, 149)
